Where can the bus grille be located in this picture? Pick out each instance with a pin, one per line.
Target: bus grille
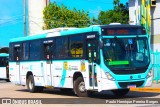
(129, 71)
(126, 84)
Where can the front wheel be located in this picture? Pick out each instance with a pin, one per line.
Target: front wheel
(120, 92)
(79, 87)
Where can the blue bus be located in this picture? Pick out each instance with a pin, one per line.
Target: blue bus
(85, 60)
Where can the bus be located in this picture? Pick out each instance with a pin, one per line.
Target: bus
(85, 60)
(4, 69)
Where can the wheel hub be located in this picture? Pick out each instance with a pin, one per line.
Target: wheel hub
(82, 87)
(30, 84)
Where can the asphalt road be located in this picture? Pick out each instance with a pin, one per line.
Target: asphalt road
(19, 95)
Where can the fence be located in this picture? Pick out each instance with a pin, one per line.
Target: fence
(156, 66)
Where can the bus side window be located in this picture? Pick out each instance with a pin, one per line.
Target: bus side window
(76, 47)
(48, 54)
(17, 53)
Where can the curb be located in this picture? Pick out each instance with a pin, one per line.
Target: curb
(157, 90)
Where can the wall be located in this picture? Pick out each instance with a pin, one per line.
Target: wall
(154, 19)
(35, 15)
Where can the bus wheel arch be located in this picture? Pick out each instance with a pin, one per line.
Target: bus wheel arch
(79, 85)
(28, 74)
(31, 83)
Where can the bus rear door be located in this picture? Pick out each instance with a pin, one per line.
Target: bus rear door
(17, 51)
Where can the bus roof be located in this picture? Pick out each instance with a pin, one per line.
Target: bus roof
(3, 54)
(68, 31)
(49, 33)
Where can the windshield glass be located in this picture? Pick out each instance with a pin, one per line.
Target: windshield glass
(126, 52)
(3, 61)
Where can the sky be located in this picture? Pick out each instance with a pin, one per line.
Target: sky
(11, 14)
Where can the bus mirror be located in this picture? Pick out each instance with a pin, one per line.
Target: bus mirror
(100, 44)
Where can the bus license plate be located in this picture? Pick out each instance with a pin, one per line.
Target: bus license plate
(131, 86)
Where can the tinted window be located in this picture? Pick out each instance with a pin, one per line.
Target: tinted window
(76, 46)
(3, 61)
(61, 47)
(35, 50)
(25, 51)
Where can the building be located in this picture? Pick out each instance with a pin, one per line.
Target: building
(35, 15)
(147, 13)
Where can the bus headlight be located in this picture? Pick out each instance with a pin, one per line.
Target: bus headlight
(109, 76)
(149, 74)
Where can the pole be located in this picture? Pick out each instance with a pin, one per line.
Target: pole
(24, 16)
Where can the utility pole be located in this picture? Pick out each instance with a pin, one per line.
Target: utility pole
(24, 17)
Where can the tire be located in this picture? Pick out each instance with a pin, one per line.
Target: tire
(79, 87)
(120, 92)
(31, 84)
(8, 80)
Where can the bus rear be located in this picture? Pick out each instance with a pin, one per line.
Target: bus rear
(4, 72)
(125, 58)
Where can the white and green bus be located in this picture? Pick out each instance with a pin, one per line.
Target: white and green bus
(4, 69)
(95, 58)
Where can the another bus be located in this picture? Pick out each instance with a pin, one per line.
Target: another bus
(4, 69)
(87, 60)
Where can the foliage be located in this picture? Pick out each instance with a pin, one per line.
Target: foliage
(60, 16)
(120, 14)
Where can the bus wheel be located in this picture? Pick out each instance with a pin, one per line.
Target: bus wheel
(120, 92)
(7, 80)
(79, 87)
(31, 85)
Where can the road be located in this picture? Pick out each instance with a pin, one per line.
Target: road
(65, 99)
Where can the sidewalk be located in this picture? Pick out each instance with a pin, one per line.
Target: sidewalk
(154, 88)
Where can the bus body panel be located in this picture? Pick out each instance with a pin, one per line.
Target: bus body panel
(3, 74)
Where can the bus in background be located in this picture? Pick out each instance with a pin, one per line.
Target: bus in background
(95, 58)
(4, 69)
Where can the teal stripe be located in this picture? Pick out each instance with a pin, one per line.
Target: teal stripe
(38, 36)
(63, 78)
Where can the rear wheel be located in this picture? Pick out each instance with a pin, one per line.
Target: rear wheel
(120, 92)
(31, 85)
(8, 80)
(79, 87)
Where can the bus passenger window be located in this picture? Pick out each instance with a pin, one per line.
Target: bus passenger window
(61, 48)
(76, 47)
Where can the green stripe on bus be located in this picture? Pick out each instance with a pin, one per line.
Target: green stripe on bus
(119, 63)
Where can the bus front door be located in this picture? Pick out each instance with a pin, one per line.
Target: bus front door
(91, 54)
(48, 67)
(17, 66)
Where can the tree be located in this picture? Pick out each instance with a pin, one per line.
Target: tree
(60, 16)
(120, 14)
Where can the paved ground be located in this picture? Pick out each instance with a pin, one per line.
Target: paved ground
(9, 90)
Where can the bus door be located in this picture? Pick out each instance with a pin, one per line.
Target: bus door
(48, 53)
(91, 54)
(17, 51)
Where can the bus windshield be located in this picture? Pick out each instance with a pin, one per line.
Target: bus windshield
(126, 52)
(3, 61)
